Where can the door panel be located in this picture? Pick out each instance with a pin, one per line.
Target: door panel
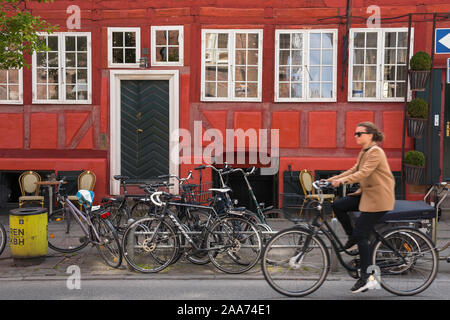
(144, 128)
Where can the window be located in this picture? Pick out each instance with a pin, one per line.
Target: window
(63, 74)
(167, 46)
(124, 47)
(11, 86)
(231, 65)
(305, 65)
(378, 64)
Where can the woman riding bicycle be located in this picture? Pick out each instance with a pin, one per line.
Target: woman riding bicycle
(374, 198)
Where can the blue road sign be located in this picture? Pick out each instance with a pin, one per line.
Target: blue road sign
(442, 44)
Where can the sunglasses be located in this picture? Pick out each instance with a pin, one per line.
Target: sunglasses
(359, 133)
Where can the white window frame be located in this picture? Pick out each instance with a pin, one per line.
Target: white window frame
(381, 32)
(231, 64)
(305, 64)
(20, 101)
(62, 64)
(110, 51)
(180, 45)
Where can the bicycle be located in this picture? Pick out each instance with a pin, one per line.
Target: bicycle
(296, 261)
(3, 238)
(70, 230)
(151, 244)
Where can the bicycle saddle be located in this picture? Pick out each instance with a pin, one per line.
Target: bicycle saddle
(221, 190)
(121, 178)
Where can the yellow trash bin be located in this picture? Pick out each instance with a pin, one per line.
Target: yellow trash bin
(28, 232)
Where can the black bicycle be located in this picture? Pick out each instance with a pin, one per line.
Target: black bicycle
(151, 244)
(296, 260)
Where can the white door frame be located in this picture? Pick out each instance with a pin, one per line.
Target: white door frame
(116, 76)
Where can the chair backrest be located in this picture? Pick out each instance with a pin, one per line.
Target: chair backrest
(306, 180)
(86, 180)
(27, 182)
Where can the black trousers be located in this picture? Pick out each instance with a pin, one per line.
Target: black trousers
(363, 227)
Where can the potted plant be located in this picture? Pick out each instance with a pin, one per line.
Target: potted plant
(417, 111)
(414, 166)
(420, 67)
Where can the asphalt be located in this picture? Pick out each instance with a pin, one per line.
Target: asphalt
(56, 265)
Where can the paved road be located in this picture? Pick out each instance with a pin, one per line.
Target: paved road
(198, 290)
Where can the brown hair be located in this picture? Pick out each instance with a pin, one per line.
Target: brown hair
(378, 136)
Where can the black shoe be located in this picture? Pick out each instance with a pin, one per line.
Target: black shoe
(364, 284)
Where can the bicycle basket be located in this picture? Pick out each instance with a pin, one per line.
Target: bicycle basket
(197, 193)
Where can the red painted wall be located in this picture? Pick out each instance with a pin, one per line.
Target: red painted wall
(313, 135)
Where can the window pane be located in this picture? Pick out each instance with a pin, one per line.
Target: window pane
(174, 55)
(222, 42)
(314, 40)
(390, 39)
(82, 92)
(283, 91)
(389, 56)
(53, 93)
(285, 41)
(285, 57)
(401, 56)
(296, 90)
(117, 39)
(241, 57)
(173, 37)
(370, 90)
(297, 41)
(326, 90)
(3, 92)
(240, 90)
(296, 74)
(359, 41)
(41, 75)
(252, 90)
(222, 73)
(3, 75)
(358, 89)
(117, 55)
(161, 38)
(14, 92)
(401, 73)
(314, 57)
(13, 76)
(41, 92)
(71, 76)
(314, 73)
(82, 59)
(371, 40)
(53, 75)
(53, 43)
(82, 76)
(358, 56)
(389, 73)
(358, 73)
(70, 43)
(327, 74)
(401, 89)
(223, 57)
(252, 74)
(161, 54)
(389, 89)
(371, 73)
(82, 43)
(314, 90)
(296, 57)
(252, 57)
(240, 74)
(130, 55)
(70, 92)
(210, 89)
(371, 56)
(53, 59)
(283, 74)
(327, 57)
(70, 59)
(41, 59)
(402, 39)
(253, 40)
(241, 40)
(327, 40)
(222, 89)
(210, 73)
(130, 39)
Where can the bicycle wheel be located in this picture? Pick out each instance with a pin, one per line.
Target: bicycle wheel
(140, 209)
(292, 266)
(3, 238)
(117, 216)
(149, 245)
(409, 264)
(234, 244)
(109, 246)
(197, 223)
(65, 233)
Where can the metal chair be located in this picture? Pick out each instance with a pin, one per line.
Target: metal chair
(86, 181)
(29, 188)
(306, 180)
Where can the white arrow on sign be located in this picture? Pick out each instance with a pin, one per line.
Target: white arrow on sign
(445, 41)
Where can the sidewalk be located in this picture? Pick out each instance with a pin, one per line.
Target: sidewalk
(54, 265)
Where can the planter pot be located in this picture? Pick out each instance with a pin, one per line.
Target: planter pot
(415, 127)
(413, 174)
(418, 79)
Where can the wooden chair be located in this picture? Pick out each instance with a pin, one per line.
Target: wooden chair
(29, 189)
(306, 181)
(86, 181)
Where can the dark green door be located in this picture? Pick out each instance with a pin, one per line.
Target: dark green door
(446, 132)
(144, 129)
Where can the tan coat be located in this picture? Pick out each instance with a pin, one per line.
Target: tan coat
(374, 175)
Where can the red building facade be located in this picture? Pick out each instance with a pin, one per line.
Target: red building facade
(271, 64)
